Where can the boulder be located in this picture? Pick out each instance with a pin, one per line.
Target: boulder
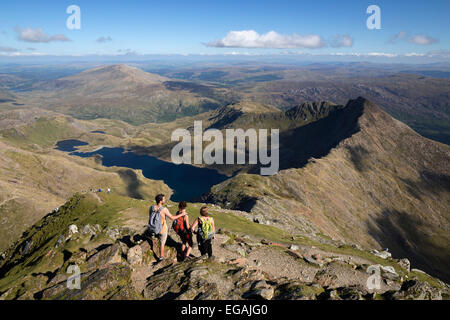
(349, 293)
(73, 229)
(260, 294)
(405, 264)
(103, 258)
(383, 254)
(113, 233)
(88, 230)
(134, 256)
(416, 290)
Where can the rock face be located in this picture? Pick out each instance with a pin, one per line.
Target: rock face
(416, 290)
(105, 257)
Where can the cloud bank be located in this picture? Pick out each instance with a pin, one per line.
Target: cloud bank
(271, 39)
(37, 35)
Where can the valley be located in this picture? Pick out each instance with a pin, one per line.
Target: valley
(353, 179)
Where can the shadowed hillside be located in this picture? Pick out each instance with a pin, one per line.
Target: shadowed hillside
(363, 190)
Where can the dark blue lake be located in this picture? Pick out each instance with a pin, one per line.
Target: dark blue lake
(186, 181)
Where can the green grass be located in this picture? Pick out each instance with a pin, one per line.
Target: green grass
(44, 132)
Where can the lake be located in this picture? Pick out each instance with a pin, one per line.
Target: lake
(187, 182)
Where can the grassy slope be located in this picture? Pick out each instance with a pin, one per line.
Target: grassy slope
(35, 179)
(115, 211)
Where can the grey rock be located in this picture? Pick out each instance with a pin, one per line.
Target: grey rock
(88, 230)
(417, 290)
(134, 256)
(383, 254)
(114, 234)
(260, 294)
(241, 251)
(109, 255)
(405, 264)
(73, 229)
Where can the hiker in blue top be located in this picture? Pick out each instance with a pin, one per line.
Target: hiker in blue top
(205, 233)
(157, 225)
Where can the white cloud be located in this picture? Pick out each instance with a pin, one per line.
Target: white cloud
(369, 54)
(271, 39)
(37, 35)
(104, 39)
(341, 41)
(397, 37)
(415, 54)
(382, 54)
(422, 39)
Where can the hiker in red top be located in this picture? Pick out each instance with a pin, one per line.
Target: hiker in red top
(183, 229)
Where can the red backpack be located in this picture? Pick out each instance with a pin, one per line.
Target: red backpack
(179, 226)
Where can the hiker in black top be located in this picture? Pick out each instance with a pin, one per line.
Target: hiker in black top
(205, 232)
(183, 229)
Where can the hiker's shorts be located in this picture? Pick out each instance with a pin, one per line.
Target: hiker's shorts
(186, 238)
(163, 238)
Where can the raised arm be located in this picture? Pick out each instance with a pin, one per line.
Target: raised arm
(170, 216)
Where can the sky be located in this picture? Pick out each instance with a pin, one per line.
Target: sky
(329, 28)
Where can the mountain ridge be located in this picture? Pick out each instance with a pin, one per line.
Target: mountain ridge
(348, 192)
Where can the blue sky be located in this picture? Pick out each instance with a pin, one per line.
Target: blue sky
(320, 27)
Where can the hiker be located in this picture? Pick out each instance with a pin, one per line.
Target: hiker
(157, 225)
(183, 229)
(205, 232)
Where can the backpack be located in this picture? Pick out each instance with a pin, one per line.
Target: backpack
(179, 225)
(154, 223)
(205, 229)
